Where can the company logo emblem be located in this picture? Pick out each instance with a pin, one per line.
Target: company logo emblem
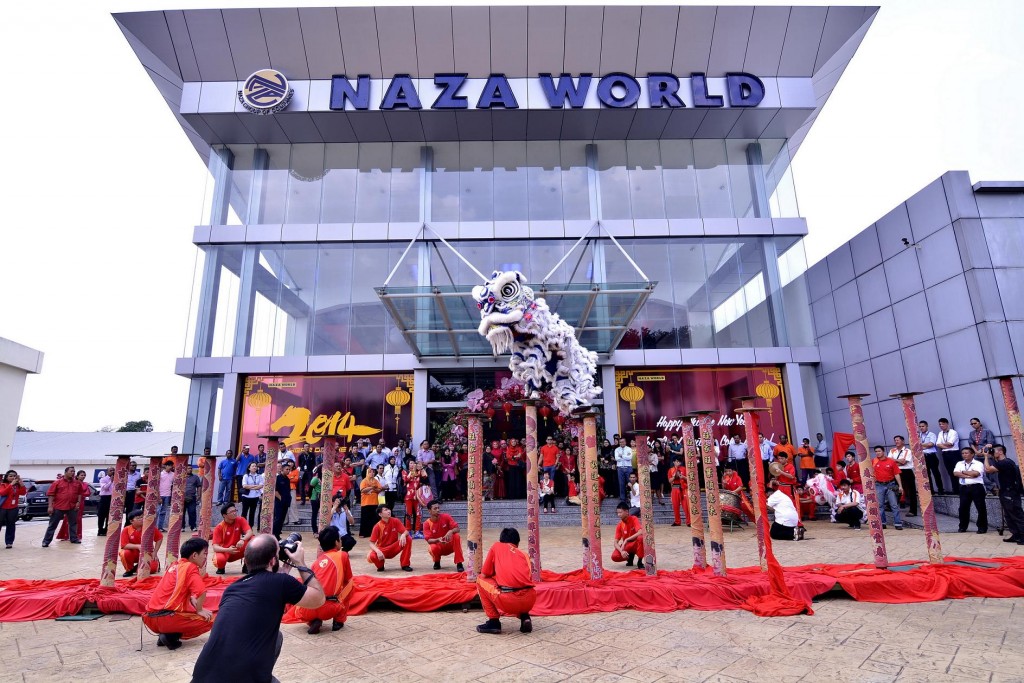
(265, 92)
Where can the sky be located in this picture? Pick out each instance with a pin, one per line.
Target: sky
(101, 188)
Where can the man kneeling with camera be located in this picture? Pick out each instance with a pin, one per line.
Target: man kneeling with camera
(334, 572)
(246, 638)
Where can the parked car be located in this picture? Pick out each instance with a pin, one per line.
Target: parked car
(35, 503)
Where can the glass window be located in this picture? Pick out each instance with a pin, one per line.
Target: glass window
(332, 317)
(227, 301)
(647, 195)
(613, 179)
(741, 178)
(406, 176)
(270, 185)
(728, 284)
(476, 161)
(712, 178)
(305, 183)
(795, 300)
(510, 182)
(374, 182)
(544, 182)
(690, 294)
(339, 185)
(779, 179)
(657, 318)
(575, 180)
(680, 179)
(444, 183)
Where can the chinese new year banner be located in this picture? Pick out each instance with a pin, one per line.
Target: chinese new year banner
(656, 399)
(307, 408)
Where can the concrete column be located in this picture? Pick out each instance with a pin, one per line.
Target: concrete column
(796, 403)
(16, 362)
(419, 406)
(202, 408)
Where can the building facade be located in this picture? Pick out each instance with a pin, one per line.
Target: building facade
(368, 164)
(930, 299)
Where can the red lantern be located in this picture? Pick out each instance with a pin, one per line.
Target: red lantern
(490, 413)
(545, 412)
(559, 419)
(507, 407)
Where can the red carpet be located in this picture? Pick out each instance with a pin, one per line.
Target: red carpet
(572, 593)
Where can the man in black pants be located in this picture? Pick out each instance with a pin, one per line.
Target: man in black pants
(1009, 491)
(971, 475)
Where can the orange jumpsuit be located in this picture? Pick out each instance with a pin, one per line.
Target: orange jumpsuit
(444, 524)
(130, 558)
(505, 584)
(334, 572)
(170, 608)
(677, 477)
(226, 537)
(385, 537)
(625, 529)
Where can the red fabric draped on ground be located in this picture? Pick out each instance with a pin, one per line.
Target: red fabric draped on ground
(573, 593)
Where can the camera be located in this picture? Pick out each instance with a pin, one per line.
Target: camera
(290, 544)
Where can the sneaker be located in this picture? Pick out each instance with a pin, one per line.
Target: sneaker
(459, 567)
(437, 565)
(220, 570)
(406, 568)
(314, 627)
(9, 546)
(130, 573)
(489, 626)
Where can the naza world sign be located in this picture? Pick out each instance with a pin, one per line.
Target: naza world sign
(615, 90)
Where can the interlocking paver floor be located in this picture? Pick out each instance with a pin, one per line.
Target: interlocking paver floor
(952, 640)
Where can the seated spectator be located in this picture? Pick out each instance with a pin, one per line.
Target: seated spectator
(547, 493)
(786, 526)
(848, 505)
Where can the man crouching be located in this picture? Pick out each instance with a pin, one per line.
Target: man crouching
(506, 584)
(334, 572)
(175, 610)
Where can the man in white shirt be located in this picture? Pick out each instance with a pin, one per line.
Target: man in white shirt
(949, 443)
(931, 456)
(821, 452)
(767, 455)
(286, 454)
(905, 459)
(971, 474)
(738, 460)
(623, 466)
(786, 526)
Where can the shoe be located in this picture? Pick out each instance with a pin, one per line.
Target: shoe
(884, 526)
(1011, 539)
(489, 626)
(856, 526)
(9, 546)
(982, 531)
(172, 641)
(459, 567)
(961, 531)
(639, 564)
(675, 524)
(1020, 542)
(131, 572)
(406, 568)
(525, 623)
(76, 542)
(380, 569)
(898, 528)
(337, 625)
(220, 570)
(104, 533)
(46, 545)
(314, 627)
(437, 565)
(160, 641)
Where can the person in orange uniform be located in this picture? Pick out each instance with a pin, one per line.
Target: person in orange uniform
(334, 572)
(230, 538)
(131, 545)
(677, 480)
(175, 610)
(629, 541)
(441, 533)
(389, 539)
(505, 584)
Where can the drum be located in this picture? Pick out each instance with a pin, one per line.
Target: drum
(729, 503)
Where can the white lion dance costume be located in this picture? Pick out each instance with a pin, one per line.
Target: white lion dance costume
(545, 352)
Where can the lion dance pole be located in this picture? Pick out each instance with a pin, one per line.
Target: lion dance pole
(643, 474)
(532, 489)
(700, 560)
(113, 543)
(867, 475)
(707, 448)
(149, 517)
(207, 470)
(924, 491)
(177, 515)
(474, 496)
(266, 521)
(330, 453)
(576, 429)
(1012, 415)
(592, 486)
(750, 426)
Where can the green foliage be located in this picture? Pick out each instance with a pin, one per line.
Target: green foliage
(136, 426)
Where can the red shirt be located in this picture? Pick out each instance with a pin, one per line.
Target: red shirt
(549, 453)
(227, 536)
(514, 455)
(12, 494)
(444, 524)
(567, 461)
(386, 533)
(181, 582)
(886, 470)
(677, 476)
(627, 528)
(132, 535)
(342, 482)
(412, 482)
(334, 571)
(508, 565)
(65, 494)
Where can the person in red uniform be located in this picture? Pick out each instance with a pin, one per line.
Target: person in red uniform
(175, 610)
(230, 538)
(10, 490)
(388, 539)
(732, 482)
(505, 584)
(853, 472)
(629, 539)
(498, 462)
(412, 484)
(441, 533)
(677, 480)
(131, 545)
(334, 572)
(786, 473)
(62, 533)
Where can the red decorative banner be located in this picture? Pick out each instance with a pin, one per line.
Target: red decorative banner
(309, 408)
(656, 398)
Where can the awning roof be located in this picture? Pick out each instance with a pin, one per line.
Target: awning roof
(443, 320)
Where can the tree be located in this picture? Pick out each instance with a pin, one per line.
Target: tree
(23, 429)
(137, 426)
(107, 428)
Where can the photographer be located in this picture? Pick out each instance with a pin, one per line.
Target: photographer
(342, 520)
(1009, 491)
(10, 491)
(334, 572)
(246, 638)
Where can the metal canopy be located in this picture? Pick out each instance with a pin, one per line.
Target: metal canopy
(443, 320)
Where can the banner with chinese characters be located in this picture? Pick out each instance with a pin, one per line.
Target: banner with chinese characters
(306, 408)
(656, 399)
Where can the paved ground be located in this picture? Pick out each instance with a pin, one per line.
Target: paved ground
(953, 641)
